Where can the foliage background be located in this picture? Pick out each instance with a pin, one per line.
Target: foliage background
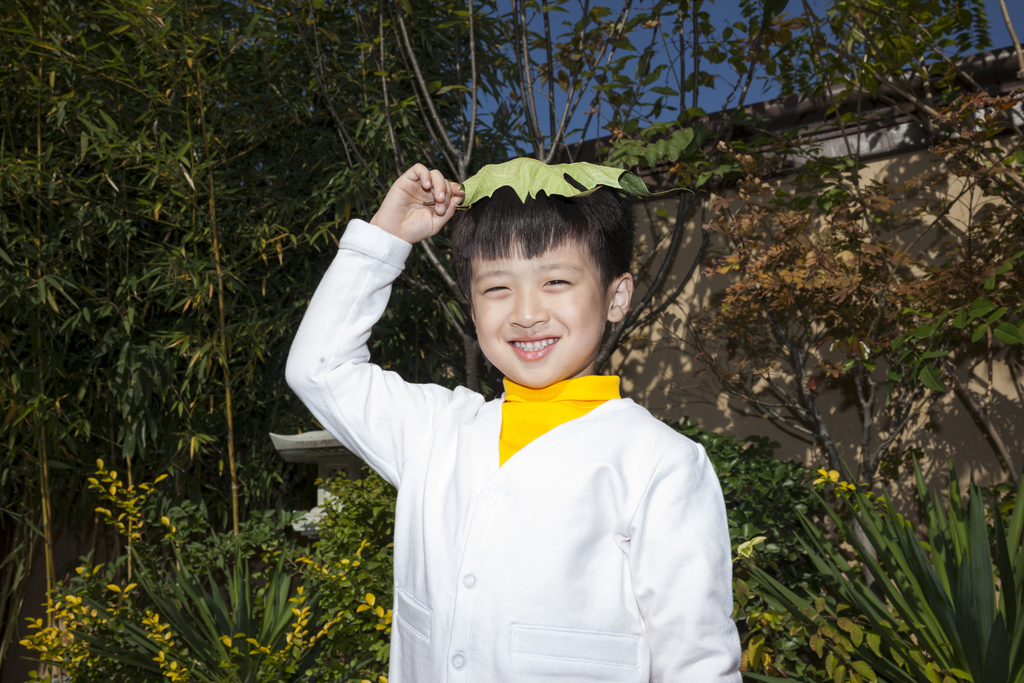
(173, 176)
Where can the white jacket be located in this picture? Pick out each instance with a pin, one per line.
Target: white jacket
(599, 552)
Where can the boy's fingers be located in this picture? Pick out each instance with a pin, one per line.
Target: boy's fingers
(440, 186)
(420, 174)
(441, 192)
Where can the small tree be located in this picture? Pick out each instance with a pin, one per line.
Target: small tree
(834, 280)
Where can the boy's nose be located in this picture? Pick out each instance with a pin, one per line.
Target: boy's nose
(528, 311)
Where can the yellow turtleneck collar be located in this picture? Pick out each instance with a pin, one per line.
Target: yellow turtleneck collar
(528, 413)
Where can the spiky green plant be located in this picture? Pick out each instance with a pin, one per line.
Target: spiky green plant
(234, 630)
(940, 611)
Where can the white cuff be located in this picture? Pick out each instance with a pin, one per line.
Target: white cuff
(375, 242)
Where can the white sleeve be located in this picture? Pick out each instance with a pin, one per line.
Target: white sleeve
(681, 567)
(382, 418)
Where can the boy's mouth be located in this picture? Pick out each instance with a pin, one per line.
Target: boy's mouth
(534, 345)
(533, 350)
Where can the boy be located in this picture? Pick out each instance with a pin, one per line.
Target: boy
(560, 533)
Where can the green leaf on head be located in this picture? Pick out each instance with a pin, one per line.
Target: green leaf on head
(528, 177)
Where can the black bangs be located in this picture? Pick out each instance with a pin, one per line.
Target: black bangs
(502, 226)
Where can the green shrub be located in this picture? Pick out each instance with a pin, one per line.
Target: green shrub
(764, 499)
(353, 565)
(184, 602)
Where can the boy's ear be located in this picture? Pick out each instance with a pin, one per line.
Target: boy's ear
(621, 291)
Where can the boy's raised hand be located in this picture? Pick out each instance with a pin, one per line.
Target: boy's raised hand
(418, 204)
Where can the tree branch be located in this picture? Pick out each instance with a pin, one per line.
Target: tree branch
(449, 316)
(750, 398)
(526, 78)
(425, 92)
(551, 80)
(467, 156)
(698, 257)
(797, 361)
(683, 209)
(1013, 37)
(339, 124)
(1006, 460)
(904, 411)
(632, 321)
(396, 150)
(867, 410)
(431, 250)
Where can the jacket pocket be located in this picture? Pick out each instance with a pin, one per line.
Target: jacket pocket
(414, 615)
(578, 655)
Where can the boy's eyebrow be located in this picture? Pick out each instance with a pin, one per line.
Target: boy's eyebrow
(489, 272)
(558, 265)
(554, 265)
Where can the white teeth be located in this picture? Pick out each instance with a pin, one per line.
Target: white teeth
(534, 346)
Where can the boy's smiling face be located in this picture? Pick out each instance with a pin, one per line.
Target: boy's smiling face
(540, 320)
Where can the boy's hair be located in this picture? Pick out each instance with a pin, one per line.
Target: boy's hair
(502, 225)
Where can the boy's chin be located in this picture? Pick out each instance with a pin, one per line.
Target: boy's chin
(541, 381)
(534, 384)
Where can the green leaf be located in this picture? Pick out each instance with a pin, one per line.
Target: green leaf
(456, 311)
(864, 670)
(1007, 266)
(873, 640)
(979, 332)
(528, 177)
(929, 379)
(999, 313)
(449, 88)
(981, 307)
(109, 121)
(1009, 333)
(960, 321)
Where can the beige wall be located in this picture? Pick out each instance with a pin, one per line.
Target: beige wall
(660, 372)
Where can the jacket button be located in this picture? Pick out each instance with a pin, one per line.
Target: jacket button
(468, 580)
(458, 661)
(490, 497)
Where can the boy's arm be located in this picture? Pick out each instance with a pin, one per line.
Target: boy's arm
(375, 413)
(681, 566)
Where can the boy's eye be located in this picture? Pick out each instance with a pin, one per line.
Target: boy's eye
(558, 282)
